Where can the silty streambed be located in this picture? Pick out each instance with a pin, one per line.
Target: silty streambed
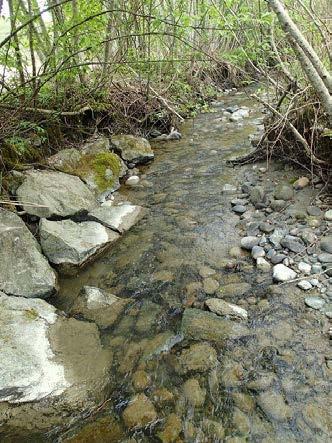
(268, 385)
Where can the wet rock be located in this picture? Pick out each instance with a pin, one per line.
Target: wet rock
(328, 215)
(234, 289)
(232, 374)
(283, 192)
(265, 227)
(229, 189)
(210, 285)
(132, 181)
(159, 344)
(257, 251)
(278, 258)
(276, 237)
(171, 430)
(136, 150)
(200, 325)
(241, 422)
(119, 218)
(301, 183)
(99, 306)
(147, 316)
(205, 271)
(103, 429)
(213, 429)
(292, 243)
(314, 211)
(54, 194)
(220, 307)
(200, 357)
(162, 396)
(325, 257)
(71, 245)
(314, 302)
(43, 361)
(274, 406)
(193, 393)
(24, 271)
(326, 244)
(239, 209)
(139, 413)
(262, 383)
(263, 265)
(305, 285)
(249, 242)
(282, 273)
(244, 402)
(304, 267)
(164, 276)
(141, 380)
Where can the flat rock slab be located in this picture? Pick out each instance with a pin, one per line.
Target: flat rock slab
(24, 271)
(54, 194)
(99, 306)
(133, 149)
(72, 245)
(44, 355)
(119, 218)
(202, 325)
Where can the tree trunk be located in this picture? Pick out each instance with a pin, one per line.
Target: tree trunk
(293, 31)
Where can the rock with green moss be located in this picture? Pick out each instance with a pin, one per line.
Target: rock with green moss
(133, 149)
(94, 163)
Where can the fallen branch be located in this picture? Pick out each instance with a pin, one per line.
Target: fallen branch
(48, 111)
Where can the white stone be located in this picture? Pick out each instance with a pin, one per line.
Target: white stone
(263, 265)
(229, 189)
(304, 267)
(305, 285)
(328, 215)
(133, 180)
(220, 307)
(282, 273)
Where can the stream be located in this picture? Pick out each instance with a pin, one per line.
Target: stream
(268, 385)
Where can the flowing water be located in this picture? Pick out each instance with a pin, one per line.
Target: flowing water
(269, 385)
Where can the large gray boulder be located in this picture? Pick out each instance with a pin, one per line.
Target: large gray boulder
(120, 218)
(24, 271)
(50, 193)
(72, 245)
(99, 306)
(94, 163)
(133, 149)
(50, 366)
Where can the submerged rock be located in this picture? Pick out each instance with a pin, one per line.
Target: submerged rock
(119, 218)
(171, 429)
(136, 150)
(201, 325)
(50, 193)
(220, 307)
(71, 245)
(44, 359)
(139, 413)
(99, 306)
(200, 357)
(24, 271)
(193, 393)
(274, 406)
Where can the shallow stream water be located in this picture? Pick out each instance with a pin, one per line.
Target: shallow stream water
(271, 385)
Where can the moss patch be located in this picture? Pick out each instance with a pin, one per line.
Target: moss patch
(104, 168)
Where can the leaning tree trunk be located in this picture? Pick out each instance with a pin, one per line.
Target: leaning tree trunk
(318, 76)
(290, 28)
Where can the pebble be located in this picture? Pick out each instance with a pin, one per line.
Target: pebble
(239, 209)
(276, 237)
(301, 183)
(314, 211)
(263, 265)
(141, 380)
(277, 258)
(314, 302)
(304, 267)
(249, 242)
(266, 227)
(171, 430)
(292, 243)
(283, 192)
(133, 180)
(221, 307)
(305, 285)
(193, 393)
(328, 215)
(282, 273)
(257, 251)
(325, 258)
(210, 285)
(139, 413)
(205, 271)
(326, 244)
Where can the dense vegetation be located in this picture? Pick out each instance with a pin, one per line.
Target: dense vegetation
(73, 67)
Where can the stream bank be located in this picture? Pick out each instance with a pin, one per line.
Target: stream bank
(257, 367)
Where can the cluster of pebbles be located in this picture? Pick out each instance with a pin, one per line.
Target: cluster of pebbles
(286, 235)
